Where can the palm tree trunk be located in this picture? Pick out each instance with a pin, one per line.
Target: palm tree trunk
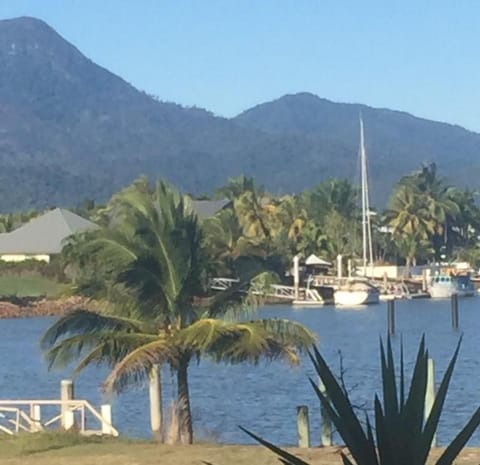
(156, 408)
(184, 411)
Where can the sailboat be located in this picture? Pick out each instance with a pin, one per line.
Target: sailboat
(359, 291)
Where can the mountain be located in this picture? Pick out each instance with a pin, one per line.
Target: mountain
(396, 142)
(71, 130)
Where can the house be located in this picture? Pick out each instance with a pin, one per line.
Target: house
(42, 236)
(207, 208)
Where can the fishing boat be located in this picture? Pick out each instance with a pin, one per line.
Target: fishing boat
(443, 286)
(359, 291)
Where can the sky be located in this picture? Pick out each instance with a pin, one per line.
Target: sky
(229, 55)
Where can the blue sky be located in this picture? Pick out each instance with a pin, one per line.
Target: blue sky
(228, 55)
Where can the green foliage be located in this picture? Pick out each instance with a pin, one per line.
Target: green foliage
(399, 435)
(148, 266)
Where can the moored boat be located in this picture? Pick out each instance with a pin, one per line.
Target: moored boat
(443, 286)
(356, 292)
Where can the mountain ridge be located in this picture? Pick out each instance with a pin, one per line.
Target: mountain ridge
(70, 129)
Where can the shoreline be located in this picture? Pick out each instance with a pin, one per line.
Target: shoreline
(31, 307)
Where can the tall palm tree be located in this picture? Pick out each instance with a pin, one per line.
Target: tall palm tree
(224, 242)
(153, 265)
(235, 187)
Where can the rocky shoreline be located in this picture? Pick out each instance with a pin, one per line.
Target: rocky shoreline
(37, 307)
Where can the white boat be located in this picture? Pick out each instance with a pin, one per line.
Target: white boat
(357, 291)
(443, 286)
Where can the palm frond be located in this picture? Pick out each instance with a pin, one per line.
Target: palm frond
(82, 321)
(103, 347)
(238, 342)
(133, 369)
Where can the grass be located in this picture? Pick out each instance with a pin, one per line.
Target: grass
(62, 448)
(30, 286)
(72, 449)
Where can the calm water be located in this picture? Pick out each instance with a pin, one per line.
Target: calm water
(264, 398)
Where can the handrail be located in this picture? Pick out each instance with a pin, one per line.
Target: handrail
(73, 405)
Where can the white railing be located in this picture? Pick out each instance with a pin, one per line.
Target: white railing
(14, 417)
(222, 284)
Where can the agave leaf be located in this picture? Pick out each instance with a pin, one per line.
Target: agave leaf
(412, 418)
(391, 416)
(434, 417)
(381, 434)
(343, 426)
(346, 460)
(288, 459)
(371, 441)
(390, 400)
(402, 378)
(346, 421)
(454, 448)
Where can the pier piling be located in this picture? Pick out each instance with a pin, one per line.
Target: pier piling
(303, 425)
(326, 429)
(391, 316)
(454, 302)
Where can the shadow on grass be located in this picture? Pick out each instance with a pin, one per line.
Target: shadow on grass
(33, 443)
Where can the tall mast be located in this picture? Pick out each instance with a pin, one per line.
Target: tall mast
(363, 169)
(366, 225)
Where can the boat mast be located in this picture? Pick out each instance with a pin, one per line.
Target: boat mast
(364, 206)
(366, 225)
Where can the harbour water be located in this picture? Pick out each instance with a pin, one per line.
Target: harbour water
(263, 398)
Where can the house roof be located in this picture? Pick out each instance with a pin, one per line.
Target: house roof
(44, 234)
(207, 208)
(314, 260)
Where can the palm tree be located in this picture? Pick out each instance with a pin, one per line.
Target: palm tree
(153, 265)
(237, 186)
(224, 242)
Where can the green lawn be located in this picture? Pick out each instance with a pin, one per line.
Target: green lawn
(71, 449)
(30, 286)
(67, 448)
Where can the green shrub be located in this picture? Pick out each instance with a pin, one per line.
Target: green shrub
(400, 435)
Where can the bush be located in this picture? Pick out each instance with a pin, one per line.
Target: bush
(400, 435)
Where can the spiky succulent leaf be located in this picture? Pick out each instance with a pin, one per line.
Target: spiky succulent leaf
(285, 457)
(455, 447)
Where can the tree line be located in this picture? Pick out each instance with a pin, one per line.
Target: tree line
(148, 268)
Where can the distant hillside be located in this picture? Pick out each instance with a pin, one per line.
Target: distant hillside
(396, 142)
(71, 130)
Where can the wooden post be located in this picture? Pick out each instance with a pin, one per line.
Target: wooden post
(106, 411)
(339, 266)
(430, 393)
(156, 408)
(391, 316)
(66, 393)
(296, 276)
(424, 280)
(326, 428)
(454, 302)
(36, 416)
(303, 426)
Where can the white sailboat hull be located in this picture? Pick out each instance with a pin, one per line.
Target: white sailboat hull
(354, 298)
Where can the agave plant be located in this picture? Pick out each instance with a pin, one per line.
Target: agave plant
(400, 434)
